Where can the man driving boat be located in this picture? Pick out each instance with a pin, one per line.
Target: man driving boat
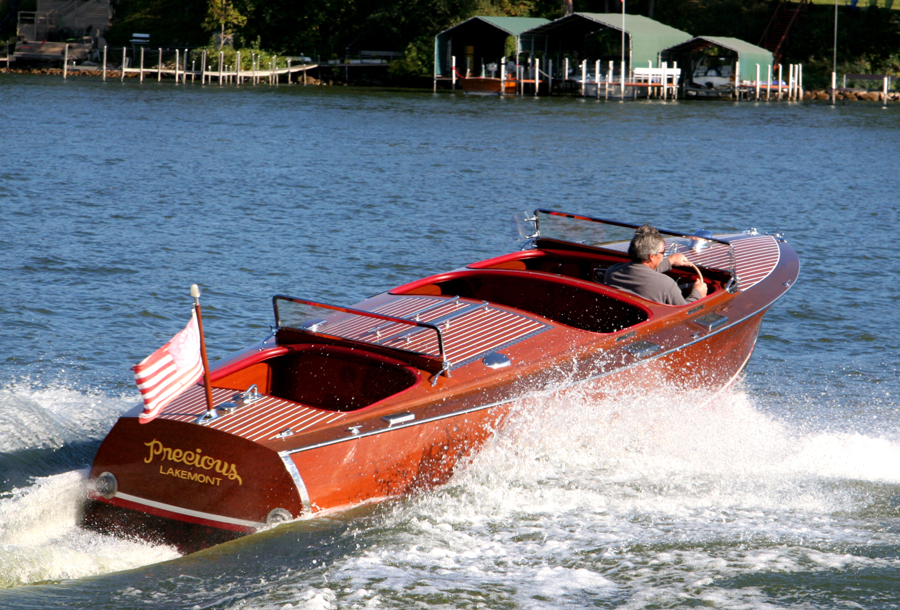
(645, 274)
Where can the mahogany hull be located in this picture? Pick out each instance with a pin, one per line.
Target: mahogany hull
(298, 452)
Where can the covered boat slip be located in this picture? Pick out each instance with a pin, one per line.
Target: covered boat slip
(719, 66)
(477, 48)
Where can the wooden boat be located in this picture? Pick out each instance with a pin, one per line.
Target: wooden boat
(343, 406)
(485, 85)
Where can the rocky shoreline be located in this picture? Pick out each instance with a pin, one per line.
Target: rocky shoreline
(852, 95)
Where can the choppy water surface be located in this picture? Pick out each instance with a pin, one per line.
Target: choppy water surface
(115, 198)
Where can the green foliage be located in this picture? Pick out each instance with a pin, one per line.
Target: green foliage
(223, 16)
(229, 57)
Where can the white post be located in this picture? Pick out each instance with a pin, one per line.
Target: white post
(104, 63)
(537, 75)
(622, 79)
(609, 73)
(833, 88)
(779, 82)
(177, 61)
(790, 82)
(221, 59)
(159, 66)
(674, 80)
(566, 72)
(124, 62)
(502, 76)
(65, 62)
(289, 72)
(549, 77)
(237, 69)
(757, 82)
(884, 90)
(737, 80)
(583, 75)
(453, 73)
(664, 66)
(800, 81)
(597, 77)
(142, 64)
(768, 82)
(203, 67)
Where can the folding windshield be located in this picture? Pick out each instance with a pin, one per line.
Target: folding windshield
(391, 331)
(702, 248)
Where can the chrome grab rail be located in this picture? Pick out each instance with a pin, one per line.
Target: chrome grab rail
(314, 328)
(698, 239)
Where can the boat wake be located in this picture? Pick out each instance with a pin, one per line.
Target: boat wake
(642, 501)
(635, 501)
(47, 438)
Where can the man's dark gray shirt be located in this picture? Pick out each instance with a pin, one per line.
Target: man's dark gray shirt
(645, 282)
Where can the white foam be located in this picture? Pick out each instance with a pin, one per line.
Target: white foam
(41, 541)
(642, 500)
(50, 417)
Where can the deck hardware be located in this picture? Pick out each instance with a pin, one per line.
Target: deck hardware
(228, 407)
(527, 226)
(752, 231)
(354, 430)
(313, 325)
(496, 360)
(445, 369)
(398, 418)
(207, 417)
(241, 399)
(642, 349)
(264, 344)
(787, 284)
(701, 240)
(734, 284)
(697, 334)
(285, 433)
(626, 336)
(695, 309)
(711, 321)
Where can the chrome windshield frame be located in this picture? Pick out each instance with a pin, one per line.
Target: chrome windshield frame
(313, 329)
(733, 283)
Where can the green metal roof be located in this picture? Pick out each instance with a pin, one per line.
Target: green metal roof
(748, 54)
(648, 37)
(514, 26)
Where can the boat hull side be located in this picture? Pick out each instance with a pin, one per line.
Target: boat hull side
(423, 454)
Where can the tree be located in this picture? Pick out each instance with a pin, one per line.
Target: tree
(223, 16)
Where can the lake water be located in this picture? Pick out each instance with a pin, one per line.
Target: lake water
(116, 197)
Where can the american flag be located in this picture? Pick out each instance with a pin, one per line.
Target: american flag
(170, 370)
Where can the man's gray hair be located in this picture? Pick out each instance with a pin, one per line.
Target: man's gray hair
(645, 243)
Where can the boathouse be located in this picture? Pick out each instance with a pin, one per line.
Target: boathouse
(599, 36)
(478, 45)
(708, 62)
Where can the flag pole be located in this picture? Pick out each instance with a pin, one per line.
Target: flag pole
(210, 412)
